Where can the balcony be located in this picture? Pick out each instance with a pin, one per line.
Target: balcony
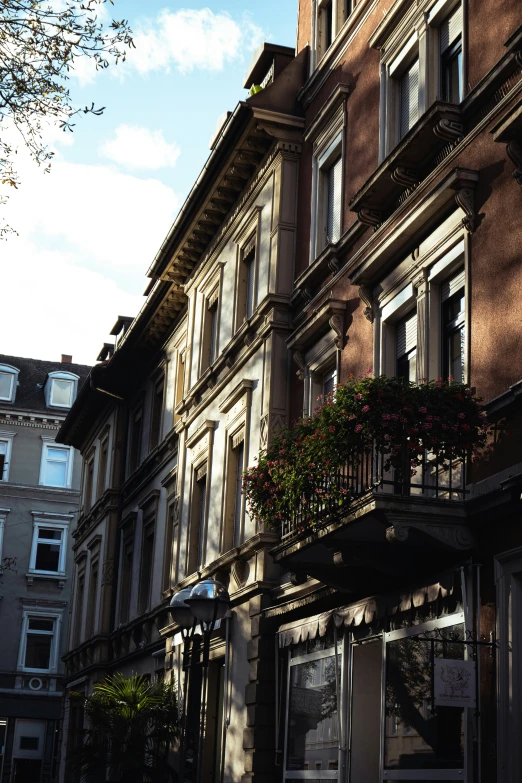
(371, 489)
(384, 530)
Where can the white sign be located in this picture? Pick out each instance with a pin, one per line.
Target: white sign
(454, 683)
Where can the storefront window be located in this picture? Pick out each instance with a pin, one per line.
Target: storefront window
(312, 742)
(415, 737)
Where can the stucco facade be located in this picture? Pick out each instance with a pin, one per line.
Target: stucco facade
(38, 507)
(357, 214)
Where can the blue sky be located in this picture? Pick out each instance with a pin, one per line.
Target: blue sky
(88, 231)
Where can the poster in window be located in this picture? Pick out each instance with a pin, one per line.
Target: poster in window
(454, 683)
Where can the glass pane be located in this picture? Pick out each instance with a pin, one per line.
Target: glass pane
(38, 651)
(47, 557)
(57, 455)
(416, 738)
(37, 624)
(55, 474)
(5, 385)
(62, 392)
(48, 533)
(312, 716)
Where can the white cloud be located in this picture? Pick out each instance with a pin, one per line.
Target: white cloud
(189, 39)
(57, 306)
(87, 236)
(140, 148)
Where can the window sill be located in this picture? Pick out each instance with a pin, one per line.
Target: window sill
(408, 163)
(61, 577)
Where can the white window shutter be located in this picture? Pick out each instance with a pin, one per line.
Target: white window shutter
(333, 211)
(406, 334)
(450, 29)
(409, 98)
(452, 285)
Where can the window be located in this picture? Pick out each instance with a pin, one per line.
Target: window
(146, 568)
(434, 741)
(102, 466)
(180, 382)
(6, 447)
(92, 599)
(127, 560)
(328, 382)
(234, 501)
(78, 608)
(330, 17)
(89, 480)
(197, 534)
(60, 389)
(312, 729)
(56, 465)
(212, 318)
(8, 382)
(157, 412)
(421, 62)
(247, 276)
(327, 191)
(406, 347)
(49, 548)
(135, 440)
(409, 98)
(38, 643)
(450, 40)
(421, 328)
(453, 327)
(171, 538)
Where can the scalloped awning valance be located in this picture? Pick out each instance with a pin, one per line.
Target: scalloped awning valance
(364, 611)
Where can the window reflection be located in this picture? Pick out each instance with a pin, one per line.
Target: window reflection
(312, 740)
(416, 738)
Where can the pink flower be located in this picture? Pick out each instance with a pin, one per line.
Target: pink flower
(462, 415)
(422, 410)
(358, 428)
(358, 397)
(365, 408)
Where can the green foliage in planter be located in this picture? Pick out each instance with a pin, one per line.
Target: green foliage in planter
(404, 421)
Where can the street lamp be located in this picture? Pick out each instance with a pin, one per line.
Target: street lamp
(206, 603)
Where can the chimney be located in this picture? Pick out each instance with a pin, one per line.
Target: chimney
(66, 358)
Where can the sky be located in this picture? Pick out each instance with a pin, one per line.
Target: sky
(88, 230)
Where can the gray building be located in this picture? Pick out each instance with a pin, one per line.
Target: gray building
(39, 492)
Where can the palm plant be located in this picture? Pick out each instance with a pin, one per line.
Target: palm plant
(131, 724)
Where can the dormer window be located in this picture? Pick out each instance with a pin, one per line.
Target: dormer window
(60, 389)
(8, 382)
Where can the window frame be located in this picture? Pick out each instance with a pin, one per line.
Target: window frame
(48, 524)
(49, 443)
(7, 438)
(13, 372)
(420, 287)
(323, 164)
(60, 375)
(341, 11)
(145, 587)
(27, 615)
(417, 34)
(157, 412)
(135, 448)
(101, 477)
(128, 547)
(342, 708)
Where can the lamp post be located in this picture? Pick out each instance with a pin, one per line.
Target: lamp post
(204, 604)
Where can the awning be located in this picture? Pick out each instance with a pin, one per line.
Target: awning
(365, 611)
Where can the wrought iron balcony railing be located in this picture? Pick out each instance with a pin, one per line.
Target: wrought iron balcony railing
(367, 473)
